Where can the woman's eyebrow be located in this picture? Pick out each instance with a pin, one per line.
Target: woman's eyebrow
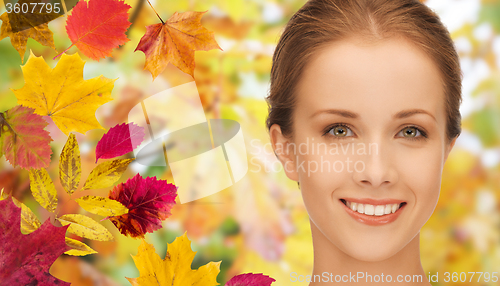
(409, 112)
(349, 114)
(341, 112)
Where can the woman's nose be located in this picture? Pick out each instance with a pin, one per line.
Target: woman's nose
(378, 168)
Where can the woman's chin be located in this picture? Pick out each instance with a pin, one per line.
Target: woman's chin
(370, 253)
(372, 248)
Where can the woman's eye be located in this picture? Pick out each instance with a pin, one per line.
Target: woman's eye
(340, 131)
(413, 133)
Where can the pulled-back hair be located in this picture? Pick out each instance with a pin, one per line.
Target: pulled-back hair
(321, 22)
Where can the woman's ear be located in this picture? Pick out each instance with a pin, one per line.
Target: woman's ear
(285, 152)
(449, 147)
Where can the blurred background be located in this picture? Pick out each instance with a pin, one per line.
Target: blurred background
(260, 224)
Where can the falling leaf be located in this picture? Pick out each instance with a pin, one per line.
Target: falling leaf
(29, 221)
(70, 169)
(22, 26)
(250, 279)
(43, 189)
(26, 259)
(119, 140)
(148, 201)
(85, 227)
(102, 206)
(106, 174)
(23, 139)
(97, 27)
(63, 94)
(78, 248)
(176, 41)
(175, 269)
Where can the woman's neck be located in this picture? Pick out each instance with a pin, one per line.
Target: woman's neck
(331, 265)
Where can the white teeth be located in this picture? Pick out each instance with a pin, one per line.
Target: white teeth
(354, 206)
(361, 208)
(377, 210)
(394, 208)
(369, 209)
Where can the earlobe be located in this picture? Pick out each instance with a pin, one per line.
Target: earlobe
(283, 148)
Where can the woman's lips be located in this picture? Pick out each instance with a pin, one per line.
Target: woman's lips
(379, 212)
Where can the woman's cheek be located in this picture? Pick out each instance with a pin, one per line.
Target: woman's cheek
(423, 178)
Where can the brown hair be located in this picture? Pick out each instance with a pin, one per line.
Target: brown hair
(319, 22)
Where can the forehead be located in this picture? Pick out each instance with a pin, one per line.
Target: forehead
(378, 78)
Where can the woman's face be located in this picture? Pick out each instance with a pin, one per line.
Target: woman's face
(387, 154)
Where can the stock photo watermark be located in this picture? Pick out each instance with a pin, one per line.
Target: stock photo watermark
(205, 156)
(355, 277)
(365, 277)
(310, 157)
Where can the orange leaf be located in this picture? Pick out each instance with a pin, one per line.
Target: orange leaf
(22, 26)
(99, 27)
(176, 41)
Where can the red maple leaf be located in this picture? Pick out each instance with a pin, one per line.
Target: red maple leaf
(23, 138)
(99, 27)
(26, 259)
(119, 140)
(148, 200)
(250, 279)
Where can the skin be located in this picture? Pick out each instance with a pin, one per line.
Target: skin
(374, 80)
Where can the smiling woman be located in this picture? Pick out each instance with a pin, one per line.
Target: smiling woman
(365, 73)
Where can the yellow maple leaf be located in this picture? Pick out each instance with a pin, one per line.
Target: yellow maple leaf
(175, 269)
(176, 41)
(63, 94)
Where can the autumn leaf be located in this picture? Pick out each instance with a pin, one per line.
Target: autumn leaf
(102, 206)
(106, 174)
(176, 41)
(250, 279)
(23, 139)
(63, 94)
(19, 27)
(148, 201)
(85, 227)
(43, 189)
(119, 140)
(78, 248)
(97, 27)
(26, 259)
(70, 170)
(175, 269)
(29, 221)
